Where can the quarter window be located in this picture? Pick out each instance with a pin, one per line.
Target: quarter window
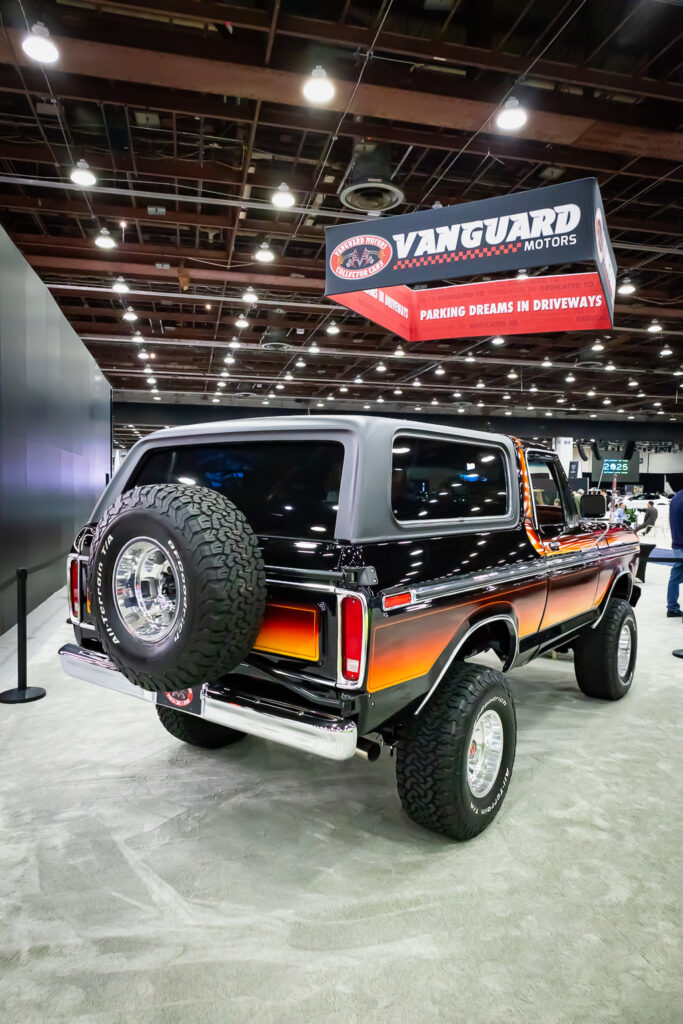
(435, 479)
(549, 494)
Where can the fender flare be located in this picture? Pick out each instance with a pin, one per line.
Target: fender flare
(506, 616)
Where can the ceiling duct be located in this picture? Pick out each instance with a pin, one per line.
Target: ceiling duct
(368, 187)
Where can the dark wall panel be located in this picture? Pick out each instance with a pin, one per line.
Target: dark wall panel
(54, 433)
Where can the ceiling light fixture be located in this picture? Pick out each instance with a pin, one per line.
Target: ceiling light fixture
(318, 88)
(570, 378)
(610, 367)
(38, 46)
(249, 296)
(264, 254)
(119, 286)
(597, 345)
(130, 314)
(655, 327)
(241, 322)
(381, 368)
(497, 340)
(511, 116)
(104, 240)
(626, 287)
(82, 175)
(512, 375)
(332, 328)
(439, 371)
(480, 384)
(666, 351)
(282, 197)
(522, 275)
(314, 347)
(300, 363)
(398, 352)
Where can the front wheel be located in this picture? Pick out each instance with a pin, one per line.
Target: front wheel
(455, 758)
(605, 657)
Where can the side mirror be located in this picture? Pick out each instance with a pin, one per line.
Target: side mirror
(593, 506)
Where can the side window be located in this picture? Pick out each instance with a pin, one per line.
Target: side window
(435, 479)
(549, 494)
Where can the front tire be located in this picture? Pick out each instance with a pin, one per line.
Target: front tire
(605, 657)
(196, 731)
(454, 759)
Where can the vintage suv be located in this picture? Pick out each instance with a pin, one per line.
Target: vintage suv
(325, 582)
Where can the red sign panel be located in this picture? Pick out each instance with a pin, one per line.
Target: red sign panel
(565, 302)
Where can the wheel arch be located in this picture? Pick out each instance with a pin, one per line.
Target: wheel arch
(496, 628)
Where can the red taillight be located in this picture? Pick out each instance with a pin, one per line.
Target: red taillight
(351, 638)
(74, 589)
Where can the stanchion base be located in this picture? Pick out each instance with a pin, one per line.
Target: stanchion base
(678, 653)
(17, 696)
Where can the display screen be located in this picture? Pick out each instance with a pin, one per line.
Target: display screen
(616, 467)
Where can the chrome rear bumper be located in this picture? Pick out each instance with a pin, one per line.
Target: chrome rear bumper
(334, 739)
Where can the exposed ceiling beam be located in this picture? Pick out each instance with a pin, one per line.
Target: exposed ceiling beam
(151, 67)
(105, 268)
(427, 49)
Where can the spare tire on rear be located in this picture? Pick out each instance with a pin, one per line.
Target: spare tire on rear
(177, 585)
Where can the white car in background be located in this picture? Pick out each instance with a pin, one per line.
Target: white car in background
(640, 502)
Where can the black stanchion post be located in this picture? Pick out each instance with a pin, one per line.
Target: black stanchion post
(21, 694)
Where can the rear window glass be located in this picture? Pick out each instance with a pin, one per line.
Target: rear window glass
(433, 479)
(284, 488)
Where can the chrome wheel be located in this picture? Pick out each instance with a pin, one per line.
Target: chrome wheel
(624, 648)
(485, 753)
(145, 585)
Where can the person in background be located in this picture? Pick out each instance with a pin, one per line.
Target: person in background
(673, 607)
(577, 498)
(619, 514)
(649, 518)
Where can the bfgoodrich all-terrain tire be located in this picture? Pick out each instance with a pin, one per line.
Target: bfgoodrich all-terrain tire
(197, 731)
(605, 657)
(454, 759)
(177, 585)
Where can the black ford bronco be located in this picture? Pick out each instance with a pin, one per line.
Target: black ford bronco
(326, 582)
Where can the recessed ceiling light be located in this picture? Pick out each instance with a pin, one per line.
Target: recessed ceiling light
(282, 197)
(318, 88)
(626, 287)
(38, 46)
(82, 175)
(511, 116)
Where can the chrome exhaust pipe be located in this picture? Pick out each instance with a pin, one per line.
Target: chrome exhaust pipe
(368, 749)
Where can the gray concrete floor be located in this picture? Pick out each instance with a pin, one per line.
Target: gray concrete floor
(145, 881)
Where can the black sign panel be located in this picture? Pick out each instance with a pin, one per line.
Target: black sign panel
(541, 227)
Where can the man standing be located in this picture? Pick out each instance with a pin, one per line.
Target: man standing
(649, 519)
(673, 608)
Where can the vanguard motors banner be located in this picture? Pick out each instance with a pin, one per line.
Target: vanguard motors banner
(561, 224)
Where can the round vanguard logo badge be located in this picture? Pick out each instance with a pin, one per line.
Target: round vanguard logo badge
(181, 698)
(360, 256)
